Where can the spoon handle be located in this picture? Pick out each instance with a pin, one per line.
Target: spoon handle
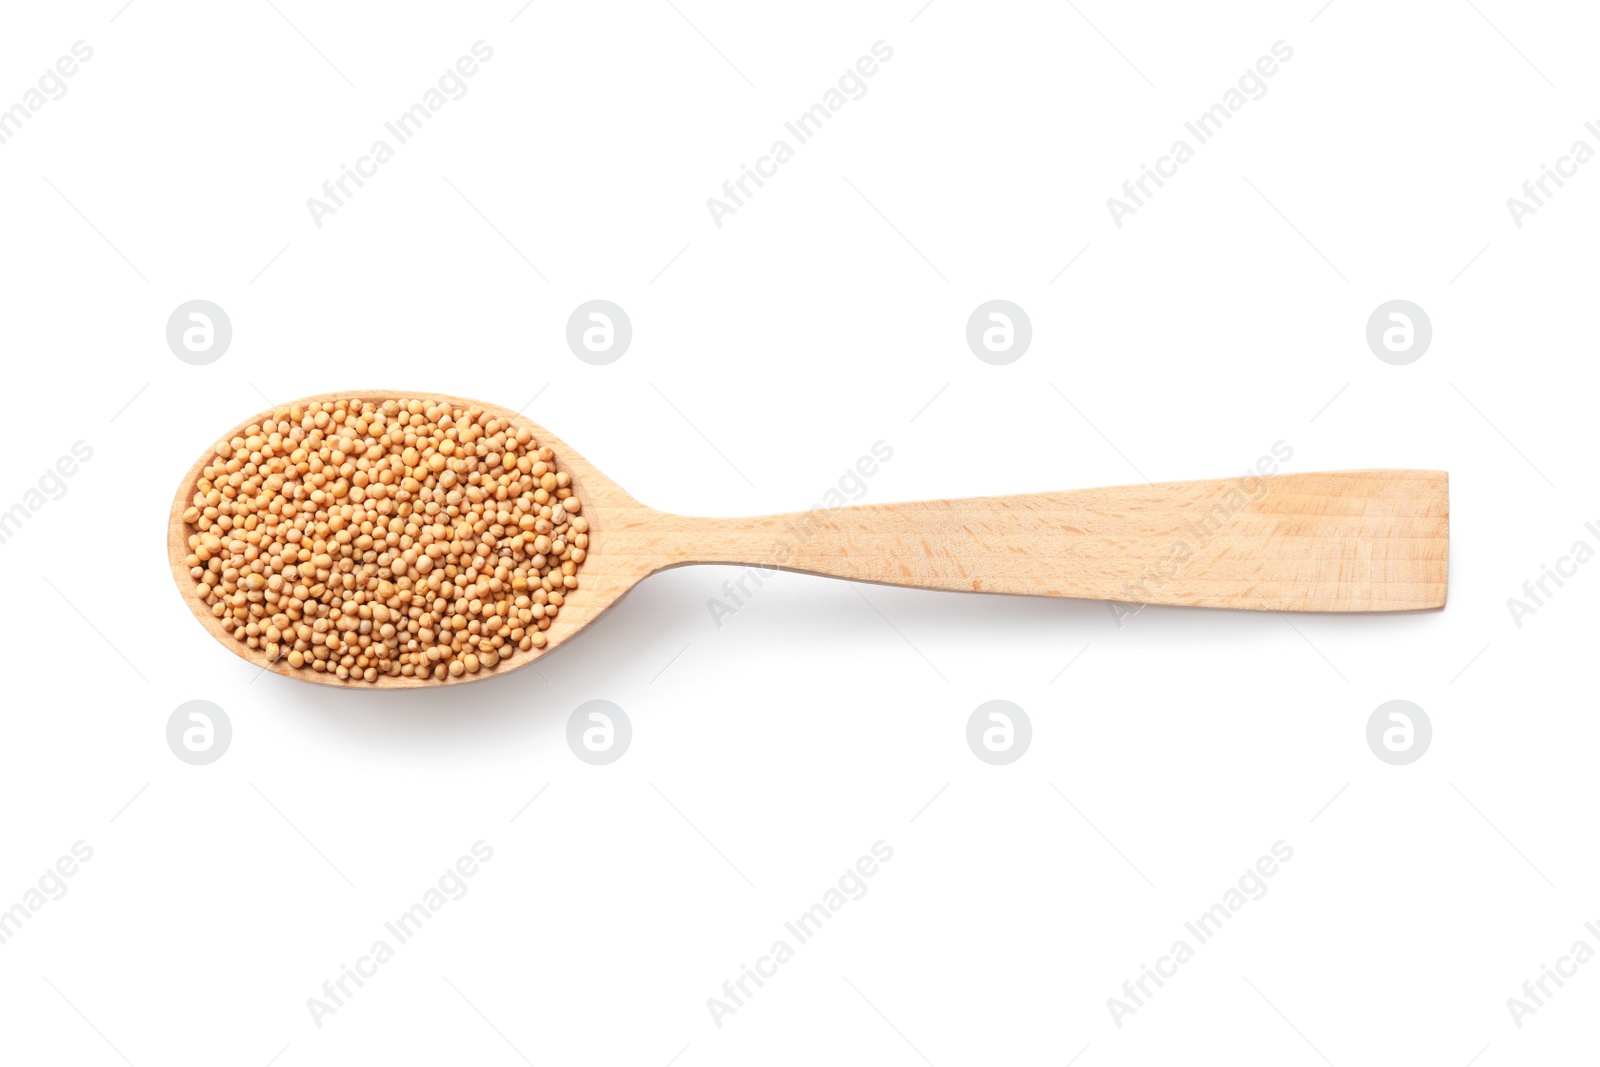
(1340, 541)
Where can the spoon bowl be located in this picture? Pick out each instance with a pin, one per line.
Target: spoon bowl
(606, 575)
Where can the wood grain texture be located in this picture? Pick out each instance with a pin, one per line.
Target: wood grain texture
(1341, 541)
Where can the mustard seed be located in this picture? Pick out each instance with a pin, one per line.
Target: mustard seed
(399, 538)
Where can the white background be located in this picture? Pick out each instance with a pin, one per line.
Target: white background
(827, 314)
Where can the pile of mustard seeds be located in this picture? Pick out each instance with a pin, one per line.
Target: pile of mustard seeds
(402, 538)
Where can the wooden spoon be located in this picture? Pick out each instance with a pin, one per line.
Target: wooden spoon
(1338, 541)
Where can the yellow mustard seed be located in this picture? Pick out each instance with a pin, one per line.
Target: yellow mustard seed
(364, 540)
